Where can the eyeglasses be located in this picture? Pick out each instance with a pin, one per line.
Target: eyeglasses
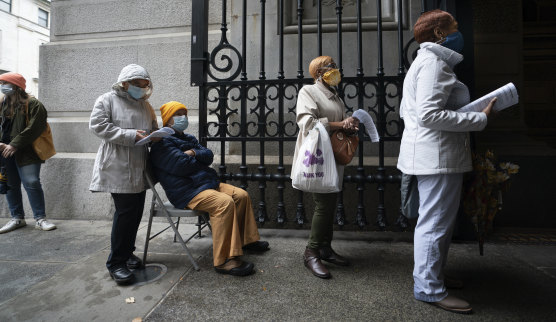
(329, 66)
(143, 83)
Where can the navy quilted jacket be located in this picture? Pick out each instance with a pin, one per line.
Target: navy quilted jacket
(183, 176)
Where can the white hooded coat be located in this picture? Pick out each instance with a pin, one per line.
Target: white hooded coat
(116, 117)
(435, 138)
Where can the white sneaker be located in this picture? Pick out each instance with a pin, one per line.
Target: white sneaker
(13, 224)
(43, 224)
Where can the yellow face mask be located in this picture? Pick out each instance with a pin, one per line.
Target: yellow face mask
(332, 77)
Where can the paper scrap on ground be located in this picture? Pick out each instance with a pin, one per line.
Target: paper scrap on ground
(364, 117)
(165, 131)
(507, 96)
(130, 300)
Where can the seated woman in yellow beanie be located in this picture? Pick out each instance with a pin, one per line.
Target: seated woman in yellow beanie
(182, 166)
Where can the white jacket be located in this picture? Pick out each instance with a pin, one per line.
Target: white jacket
(116, 117)
(435, 139)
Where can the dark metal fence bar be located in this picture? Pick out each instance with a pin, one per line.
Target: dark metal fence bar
(243, 117)
(281, 207)
(319, 26)
(300, 211)
(381, 212)
(340, 62)
(261, 213)
(247, 110)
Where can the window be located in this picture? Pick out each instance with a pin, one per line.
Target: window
(43, 17)
(6, 5)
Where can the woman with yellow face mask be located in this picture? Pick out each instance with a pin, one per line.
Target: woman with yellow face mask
(320, 103)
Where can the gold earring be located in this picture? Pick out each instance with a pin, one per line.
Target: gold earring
(441, 40)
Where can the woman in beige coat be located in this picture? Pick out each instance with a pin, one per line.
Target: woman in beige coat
(320, 103)
(120, 118)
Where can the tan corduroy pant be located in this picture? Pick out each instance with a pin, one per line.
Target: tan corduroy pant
(231, 217)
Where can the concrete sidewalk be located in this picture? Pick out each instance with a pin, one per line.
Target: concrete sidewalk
(60, 276)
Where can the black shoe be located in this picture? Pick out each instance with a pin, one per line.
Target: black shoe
(238, 267)
(134, 262)
(121, 275)
(258, 246)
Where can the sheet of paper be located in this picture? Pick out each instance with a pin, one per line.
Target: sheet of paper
(165, 131)
(364, 117)
(507, 96)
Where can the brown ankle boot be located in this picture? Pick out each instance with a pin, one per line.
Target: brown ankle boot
(313, 263)
(329, 255)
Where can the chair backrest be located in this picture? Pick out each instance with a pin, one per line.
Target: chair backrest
(159, 205)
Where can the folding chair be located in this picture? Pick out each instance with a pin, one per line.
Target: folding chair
(167, 210)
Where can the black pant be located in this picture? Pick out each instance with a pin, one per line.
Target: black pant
(127, 217)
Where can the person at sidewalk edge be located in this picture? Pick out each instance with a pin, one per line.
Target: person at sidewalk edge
(320, 103)
(182, 166)
(435, 148)
(22, 121)
(120, 118)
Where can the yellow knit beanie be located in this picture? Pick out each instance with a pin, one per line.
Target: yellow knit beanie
(169, 109)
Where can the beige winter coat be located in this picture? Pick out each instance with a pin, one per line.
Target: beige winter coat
(316, 103)
(116, 117)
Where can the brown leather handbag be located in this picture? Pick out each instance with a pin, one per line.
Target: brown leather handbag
(344, 146)
(44, 144)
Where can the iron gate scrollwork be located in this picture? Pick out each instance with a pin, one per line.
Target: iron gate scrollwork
(261, 110)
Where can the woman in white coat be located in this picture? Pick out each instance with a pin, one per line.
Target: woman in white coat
(435, 148)
(120, 118)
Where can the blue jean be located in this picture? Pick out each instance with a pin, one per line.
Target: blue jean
(439, 197)
(29, 175)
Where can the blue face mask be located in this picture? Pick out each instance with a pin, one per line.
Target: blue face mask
(136, 92)
(454, 42)
(7, 89)
(180, 123)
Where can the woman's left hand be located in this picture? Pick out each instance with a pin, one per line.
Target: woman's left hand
(351, 123)
(8, 151)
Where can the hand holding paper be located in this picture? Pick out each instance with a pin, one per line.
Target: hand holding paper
(507, 96)
(165, 131)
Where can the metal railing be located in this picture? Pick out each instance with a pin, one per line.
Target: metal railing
(261, 111)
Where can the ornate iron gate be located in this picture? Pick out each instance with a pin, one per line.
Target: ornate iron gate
(260, 111)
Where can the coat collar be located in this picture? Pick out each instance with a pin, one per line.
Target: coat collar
(449, 56)
(329, 94)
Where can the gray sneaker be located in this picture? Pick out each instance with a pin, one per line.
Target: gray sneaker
(43, 224)
(13, 224)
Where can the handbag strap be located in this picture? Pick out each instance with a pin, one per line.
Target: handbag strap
(27, 112)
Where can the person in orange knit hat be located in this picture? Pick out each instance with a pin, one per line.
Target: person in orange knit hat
(182, 166)
(22, 120)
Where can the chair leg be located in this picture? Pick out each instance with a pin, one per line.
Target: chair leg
(177, 234)
(148, 237)
(177, 227)
(206, 219)
(199, 225)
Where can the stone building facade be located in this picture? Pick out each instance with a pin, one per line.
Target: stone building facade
(91, 40)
